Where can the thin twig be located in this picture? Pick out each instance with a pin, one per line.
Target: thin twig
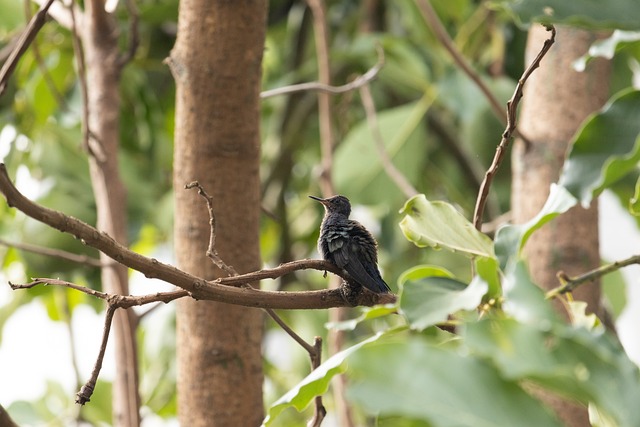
(321, 38)
(315, 356)
(320, 411)
(569, 284)
(28, 35)
(46, 75)
(372, 118)
(501, 150)
(120, 301)
(134, 34)
(434, 22)
(95, 149)
(359, 81)
(84, 395)
(212, 252)
(56, 253)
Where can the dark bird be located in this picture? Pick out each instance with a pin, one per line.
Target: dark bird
(347, 244)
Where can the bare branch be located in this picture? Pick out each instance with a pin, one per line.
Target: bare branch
(28, 35)
(501, 150)
(212, 252)
(84, 395)
(134, 34)
(569, 284)
(56, 253)
(114, 302)
(320, 411)
(434, 22)
(119, 301)
(367, 77)
(223, 289)
(372, 118)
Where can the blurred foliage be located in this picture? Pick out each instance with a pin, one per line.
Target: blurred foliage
(439, 131)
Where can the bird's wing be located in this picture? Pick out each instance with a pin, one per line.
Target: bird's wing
(348, 253)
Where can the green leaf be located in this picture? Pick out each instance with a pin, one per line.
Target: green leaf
(440, 225)
(511, 239)
(488, 270)
(634, 202)
(417, 380)
(605, 149)
(608, 47)
(524, 300)
(315, 384)
(614, 288)
(431, 300)
(422, 271)
(581, 13)
(368, 313)
(589, 367)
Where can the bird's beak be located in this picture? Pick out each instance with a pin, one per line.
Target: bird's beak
(319, 199)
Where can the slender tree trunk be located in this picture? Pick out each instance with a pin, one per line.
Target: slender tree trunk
(103, 73)
(556, 101)
(216, 63)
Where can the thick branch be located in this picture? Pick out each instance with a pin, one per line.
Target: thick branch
(501, 150)
(222, 290)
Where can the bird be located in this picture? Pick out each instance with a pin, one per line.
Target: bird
(348, 245)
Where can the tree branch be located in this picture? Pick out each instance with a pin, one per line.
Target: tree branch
(568, 284)
(84, 395)
(223, 289)
(56, 253)
(372, 119)
(367, 77)
(501, 150)
(441, 34)
(28, 35)
(212, 252)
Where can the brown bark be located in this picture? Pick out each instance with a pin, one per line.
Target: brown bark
(556, 101)
(216, 62)
(103, 72)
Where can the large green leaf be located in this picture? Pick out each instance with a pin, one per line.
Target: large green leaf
(590, 367)
(440, 225)
(511, 239)
(584, 13)
(431, 300)
(415, 379)
(605, 149)
(315, 384)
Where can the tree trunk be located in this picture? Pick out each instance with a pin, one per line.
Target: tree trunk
(556, 101)
(103, 73)
(216, 63)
